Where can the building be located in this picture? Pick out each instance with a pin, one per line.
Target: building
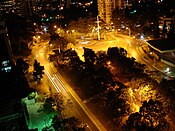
(23, 8)
(67, 4)
(47, 4)
(7, 6)
(12, 115)
(166, 26)
(106, 8)
(6, 56)
(163, 50)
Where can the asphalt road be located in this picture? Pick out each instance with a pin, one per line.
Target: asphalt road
(133, 48)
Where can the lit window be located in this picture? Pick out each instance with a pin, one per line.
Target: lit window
(160, 26)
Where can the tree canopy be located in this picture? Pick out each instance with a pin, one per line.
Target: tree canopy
(151, 116)
(38, 71)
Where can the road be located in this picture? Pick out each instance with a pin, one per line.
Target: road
(133, 48)
(59, 85)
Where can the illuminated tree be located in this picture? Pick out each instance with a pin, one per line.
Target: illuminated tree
(152, 116)
(116, 104)
(59, 102)
(56, 104)
(70, 46)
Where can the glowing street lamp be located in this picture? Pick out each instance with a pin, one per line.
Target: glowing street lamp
(109, 63)
(127, 28)
(45, 29)
(167, 69)
(98, 28)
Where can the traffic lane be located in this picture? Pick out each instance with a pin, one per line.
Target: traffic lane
(60, 84)
(53, 87)
(82, 115)
(74, 109)
(78, 111)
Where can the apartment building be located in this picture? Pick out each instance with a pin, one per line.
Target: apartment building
(25, 8)
(166, 26)
(106, 7)
(7, 6)
(6, 56)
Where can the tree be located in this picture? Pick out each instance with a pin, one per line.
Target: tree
(114, 103)
(90, 59)
(48, 105)
(38, 71)
(75, 62)
(150, 117)
(101, 59)
(116, 54)
(59, 102)
(67, 124)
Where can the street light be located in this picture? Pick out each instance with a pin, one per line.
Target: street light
(98, 28)
(128, 30)
(36, 38)
(167, 69)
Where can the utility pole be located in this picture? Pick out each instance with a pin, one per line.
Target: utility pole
(98, 28)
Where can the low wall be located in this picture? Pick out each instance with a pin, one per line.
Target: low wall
(167, 62)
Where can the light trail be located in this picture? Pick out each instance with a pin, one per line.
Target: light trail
(52, 81)
(129, 42)
(61, 83)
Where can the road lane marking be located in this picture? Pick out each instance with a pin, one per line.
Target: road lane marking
(93, 118)
(61, 83)
(52, 81)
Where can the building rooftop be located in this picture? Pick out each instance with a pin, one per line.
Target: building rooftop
(163, 45)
